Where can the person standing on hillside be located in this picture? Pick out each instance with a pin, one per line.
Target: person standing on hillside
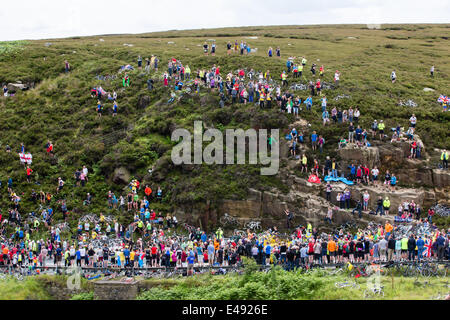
(66, 66)
(270, 52)
(432, 71)
(393, 76)
(114, 109)
(126, 81)
(29, 171)
(444, 159)
(228, 48)
(139, 61)
(213, 49)
(99, 109)
(381, 127)
(147, 65)
(336, 77)
(205, 48)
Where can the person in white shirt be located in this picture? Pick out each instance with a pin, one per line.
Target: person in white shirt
(336, 77)
(432, 71)
(375, 173)
(413, 121)
(85, 171)
(83, 255)
(393, 76)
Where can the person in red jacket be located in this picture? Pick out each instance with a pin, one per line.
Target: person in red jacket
(29, 172)
(358, 174)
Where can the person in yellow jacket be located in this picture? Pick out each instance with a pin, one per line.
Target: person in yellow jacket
(386, 205)
(269, 100)
(381, 127)
(444, 159)
(187, 72)
(262, 98)
(219, 233)
(304, 163)
(284, 79)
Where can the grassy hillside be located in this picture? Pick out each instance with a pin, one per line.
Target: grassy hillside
(60, 108)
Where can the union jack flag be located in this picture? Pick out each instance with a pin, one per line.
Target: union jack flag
(427, 251)
(442, 99)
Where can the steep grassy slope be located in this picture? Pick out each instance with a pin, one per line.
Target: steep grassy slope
(60, 108)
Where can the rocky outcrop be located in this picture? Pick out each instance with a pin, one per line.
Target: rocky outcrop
(18, 86)
(350, 154)
(441, 178)
(143, 102)
(121, 176)
(115, 290)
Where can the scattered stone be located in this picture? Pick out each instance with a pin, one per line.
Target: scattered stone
(101, 40)
(48, 44)
(375, 26)
(341, 96)
(351, 38)
(408, 103)
(170, 42)
(18, 86)
(252, 37)
(428, 90)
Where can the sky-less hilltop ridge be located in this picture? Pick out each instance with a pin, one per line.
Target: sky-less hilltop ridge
(59, 107)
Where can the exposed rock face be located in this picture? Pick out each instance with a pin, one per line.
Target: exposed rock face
(369, 156)
(307, 200)
(441, 178)
(115, 290)
(121, 176)
(144, 102)
(17, 87)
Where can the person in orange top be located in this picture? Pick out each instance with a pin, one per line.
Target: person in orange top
(148, 191)
(332, 249)
(5, 252)
(388, 228)
(216, 244)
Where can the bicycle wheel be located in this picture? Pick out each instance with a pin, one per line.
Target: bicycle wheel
(425, 272)
(368, 294)
(441, 272)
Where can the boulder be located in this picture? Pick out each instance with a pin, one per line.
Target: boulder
(441, 178)
(351, 154)
(242, 208)
(143, 102)
(121, 176)
(17, 87)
